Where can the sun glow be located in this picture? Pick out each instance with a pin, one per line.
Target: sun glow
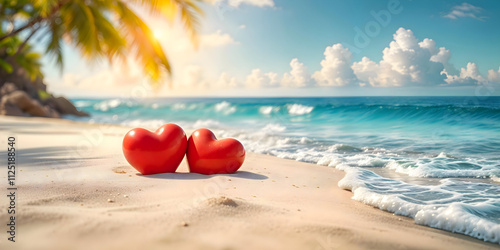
(159, 34)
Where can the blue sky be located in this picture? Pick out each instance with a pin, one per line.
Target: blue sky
(304, 28)
(250, 45)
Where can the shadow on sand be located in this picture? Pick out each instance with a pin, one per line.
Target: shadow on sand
(194, 176)
(49, 156)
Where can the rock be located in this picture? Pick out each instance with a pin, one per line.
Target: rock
(21, 96)
(7, 88)
(19, 101)
(64, 106)
(39, 85)
(7, 109)
(20, 77)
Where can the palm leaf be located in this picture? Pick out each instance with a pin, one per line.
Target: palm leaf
(142, 42)
(54, 46)
(87, 25)
(45, 7)
(80, 27)
(112, 43)
(5, 66)
(188, 10)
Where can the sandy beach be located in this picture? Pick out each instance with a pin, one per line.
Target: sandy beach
(76, 191)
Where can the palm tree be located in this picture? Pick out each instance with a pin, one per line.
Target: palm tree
(11, 53)
(108, 29)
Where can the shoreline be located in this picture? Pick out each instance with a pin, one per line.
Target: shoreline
(88, 193)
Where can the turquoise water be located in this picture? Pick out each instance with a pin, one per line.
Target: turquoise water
(434, 159)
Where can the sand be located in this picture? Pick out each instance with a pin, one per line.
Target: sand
(76, 191)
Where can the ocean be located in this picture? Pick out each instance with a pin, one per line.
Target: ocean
(433, 159)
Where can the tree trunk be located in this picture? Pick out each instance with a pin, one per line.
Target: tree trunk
(28, 25)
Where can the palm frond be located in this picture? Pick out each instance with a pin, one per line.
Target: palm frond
(148, 50)
(44, 7)
(188, 11)
(54, 46)
(31, 63)
(111, 42)
(4, 65)
(87, 25)
(80, 27)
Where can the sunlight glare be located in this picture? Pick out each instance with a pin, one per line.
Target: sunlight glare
(158, 34)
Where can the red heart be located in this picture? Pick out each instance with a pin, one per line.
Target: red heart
(207, 155)
(158, 152)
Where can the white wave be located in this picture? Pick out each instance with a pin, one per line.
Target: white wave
(273, 127)
(437, 168)
(329, 160)
(375, 150)
(304, 140)
(82, 104)
(266, 110)
(304, 155)
(343, 148)
(193, 106)
(107, 105)
(297, 109)
(210, 124)
(150, 124)
(442, 155)
(453, 216)
(225, 108)
(495, 178)
(178, 106)
(456, 218)
(155, 106)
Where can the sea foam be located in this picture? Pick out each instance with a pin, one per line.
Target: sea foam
(266, 110)
(447, 206)
(298, 109)
(225, 108)
(107, 105)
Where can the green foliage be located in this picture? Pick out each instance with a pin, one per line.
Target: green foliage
(4, 65)
(30, 61)
(99, 29)
(10, 50)
(43, 95)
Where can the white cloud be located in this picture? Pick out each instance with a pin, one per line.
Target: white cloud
(242, 27)
(225, 81)
(335, 68)
(468, 76)
(407, 61)
(443, 56)
(404, 62)
(259, 79)
(257, 3)
(366, 70)
(298, 77)
(117, 78)
(193, 77)
(217, 39)
(465, 10)
(494, 76)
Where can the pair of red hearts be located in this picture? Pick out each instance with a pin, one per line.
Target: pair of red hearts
(163, 150)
